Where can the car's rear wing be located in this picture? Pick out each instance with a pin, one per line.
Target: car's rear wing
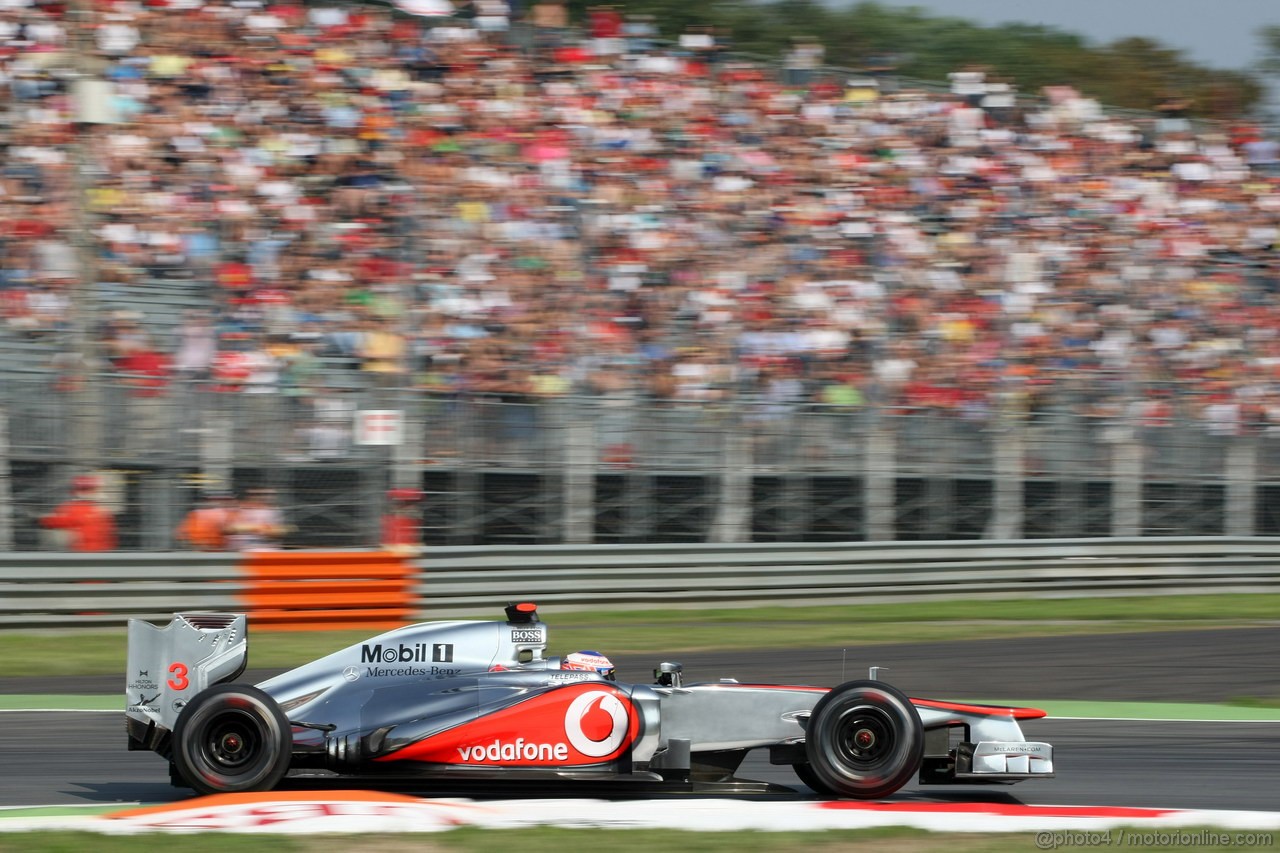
(170, 665)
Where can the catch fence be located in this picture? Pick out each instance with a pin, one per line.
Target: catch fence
(614, 470)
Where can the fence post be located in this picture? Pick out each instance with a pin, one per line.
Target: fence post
(407, 454)
(579, 477)
(158, 517)
(1010, 477)
(880, 481)
(1241, 493)
(6, 491)
(733, 509)
(217, 451)
(1126, 485)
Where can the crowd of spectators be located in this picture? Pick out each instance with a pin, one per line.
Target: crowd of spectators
(221, 522)
(500, 205)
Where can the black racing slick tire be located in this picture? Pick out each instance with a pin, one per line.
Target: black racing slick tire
(232, 738)
(806, 775)
(864, 740)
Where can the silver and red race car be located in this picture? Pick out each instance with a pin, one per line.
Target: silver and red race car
(443, 702)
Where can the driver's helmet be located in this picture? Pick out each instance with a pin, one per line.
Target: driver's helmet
(590, 662)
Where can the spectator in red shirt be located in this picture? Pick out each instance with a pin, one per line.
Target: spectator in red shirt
(605, 22)
(89, 525)
(401, 525)
(146, 369)
(236, 276)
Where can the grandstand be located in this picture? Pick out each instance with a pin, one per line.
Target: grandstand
(617, 290)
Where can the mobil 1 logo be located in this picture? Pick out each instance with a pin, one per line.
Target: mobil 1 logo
(402, 653)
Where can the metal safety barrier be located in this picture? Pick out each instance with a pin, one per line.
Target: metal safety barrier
(298, 589)
(281, 590)
(60, 590)
(466, 579)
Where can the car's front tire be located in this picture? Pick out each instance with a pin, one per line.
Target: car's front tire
(864, 740)
(232, 738)
(805, 774)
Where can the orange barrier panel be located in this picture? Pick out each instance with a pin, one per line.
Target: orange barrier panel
(323, 590)
(377, 619)
(326, 571)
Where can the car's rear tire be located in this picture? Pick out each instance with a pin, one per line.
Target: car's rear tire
(175, 778)
(232, 738)
(864, 740)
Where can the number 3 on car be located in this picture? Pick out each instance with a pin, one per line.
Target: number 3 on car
(179, 680)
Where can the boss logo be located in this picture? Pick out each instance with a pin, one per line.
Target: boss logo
(527, 635)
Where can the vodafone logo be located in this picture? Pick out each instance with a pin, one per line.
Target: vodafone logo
(596, 723)
(570, 725)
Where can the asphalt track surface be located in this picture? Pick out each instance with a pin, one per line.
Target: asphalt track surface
(80, 758)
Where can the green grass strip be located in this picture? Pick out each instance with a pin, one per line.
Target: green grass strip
(61, 702)
(61, 811)
(675, 630)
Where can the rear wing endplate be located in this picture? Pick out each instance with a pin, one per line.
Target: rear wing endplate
(168, 666)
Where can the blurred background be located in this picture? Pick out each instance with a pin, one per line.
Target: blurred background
(338, 275)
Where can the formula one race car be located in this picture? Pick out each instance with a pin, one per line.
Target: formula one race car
(440, 702)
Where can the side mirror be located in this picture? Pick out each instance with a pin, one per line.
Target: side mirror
(668, 674)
